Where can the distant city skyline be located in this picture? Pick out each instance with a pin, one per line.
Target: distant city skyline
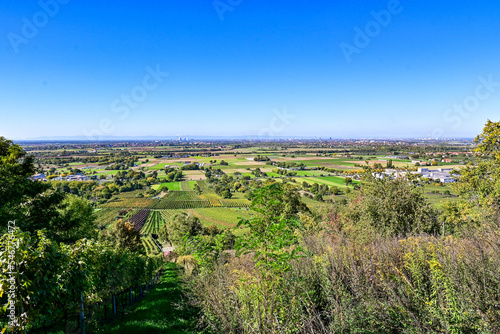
(345, 69)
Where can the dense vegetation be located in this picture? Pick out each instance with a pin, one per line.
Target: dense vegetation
(52, 255)
(314, 253)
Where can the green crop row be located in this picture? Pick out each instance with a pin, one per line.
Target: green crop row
(153, 224)
(235, 203)
(181, 196)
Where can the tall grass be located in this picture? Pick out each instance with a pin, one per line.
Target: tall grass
(376, 284)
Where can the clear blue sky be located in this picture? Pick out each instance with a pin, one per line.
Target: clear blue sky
(233, 64)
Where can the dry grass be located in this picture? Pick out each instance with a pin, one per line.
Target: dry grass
(363, 284)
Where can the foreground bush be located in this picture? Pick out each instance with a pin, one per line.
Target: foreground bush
(413, 285)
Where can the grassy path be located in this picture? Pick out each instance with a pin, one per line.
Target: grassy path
(161, 311)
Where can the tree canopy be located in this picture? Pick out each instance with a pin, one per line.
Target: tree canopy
(35, 205)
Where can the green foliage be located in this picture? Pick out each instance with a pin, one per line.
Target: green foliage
(207, 251)
(478, 185)
(277, 200)
(50, 277)
(124, 235)
(197, 189)
(226, 193)
(271, 236)
(178, 227)
(192, 166)
(174, 176)
(76, 220)
(489, 140)
(30, 203)
(35, 205)
(274, 243)
(351, 285)
(394, 207)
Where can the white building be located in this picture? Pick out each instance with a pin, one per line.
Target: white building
(441, 174)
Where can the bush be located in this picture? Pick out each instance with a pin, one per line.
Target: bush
(392, 207)
(413, 285)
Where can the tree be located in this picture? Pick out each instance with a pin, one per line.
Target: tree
(197, 189)
(280, 199)
(489, 140)
(273, 240)
(226, 193)
(335, 190)
(32, 204)
(76, 220)
(125, 236)
(170, 176)
(178, 227)
(395, 207)
(478, 185)
(272, 233)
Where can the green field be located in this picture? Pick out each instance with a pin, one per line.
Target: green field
(222, 217)
(106, 216)
(272, 174)
(186, 185)
(182, 196)
(309, 173)
(168, 185)
(336, 181)
(439, 200)
(158, 166)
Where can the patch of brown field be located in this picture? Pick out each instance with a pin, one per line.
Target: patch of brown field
(195, 177)
(162, 194)
(301, 158)
(330, 165)
(149, 164)
(241, 170)
(250, 163)
(86, 165)
(181, 160)
(226, 156)
(192, 172)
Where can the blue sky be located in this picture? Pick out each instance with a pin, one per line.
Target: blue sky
(425, 68)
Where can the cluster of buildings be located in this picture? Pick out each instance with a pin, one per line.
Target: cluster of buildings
(468, 154)
(397, 157)
(178, 156)
(442, 175)
(72, 177)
